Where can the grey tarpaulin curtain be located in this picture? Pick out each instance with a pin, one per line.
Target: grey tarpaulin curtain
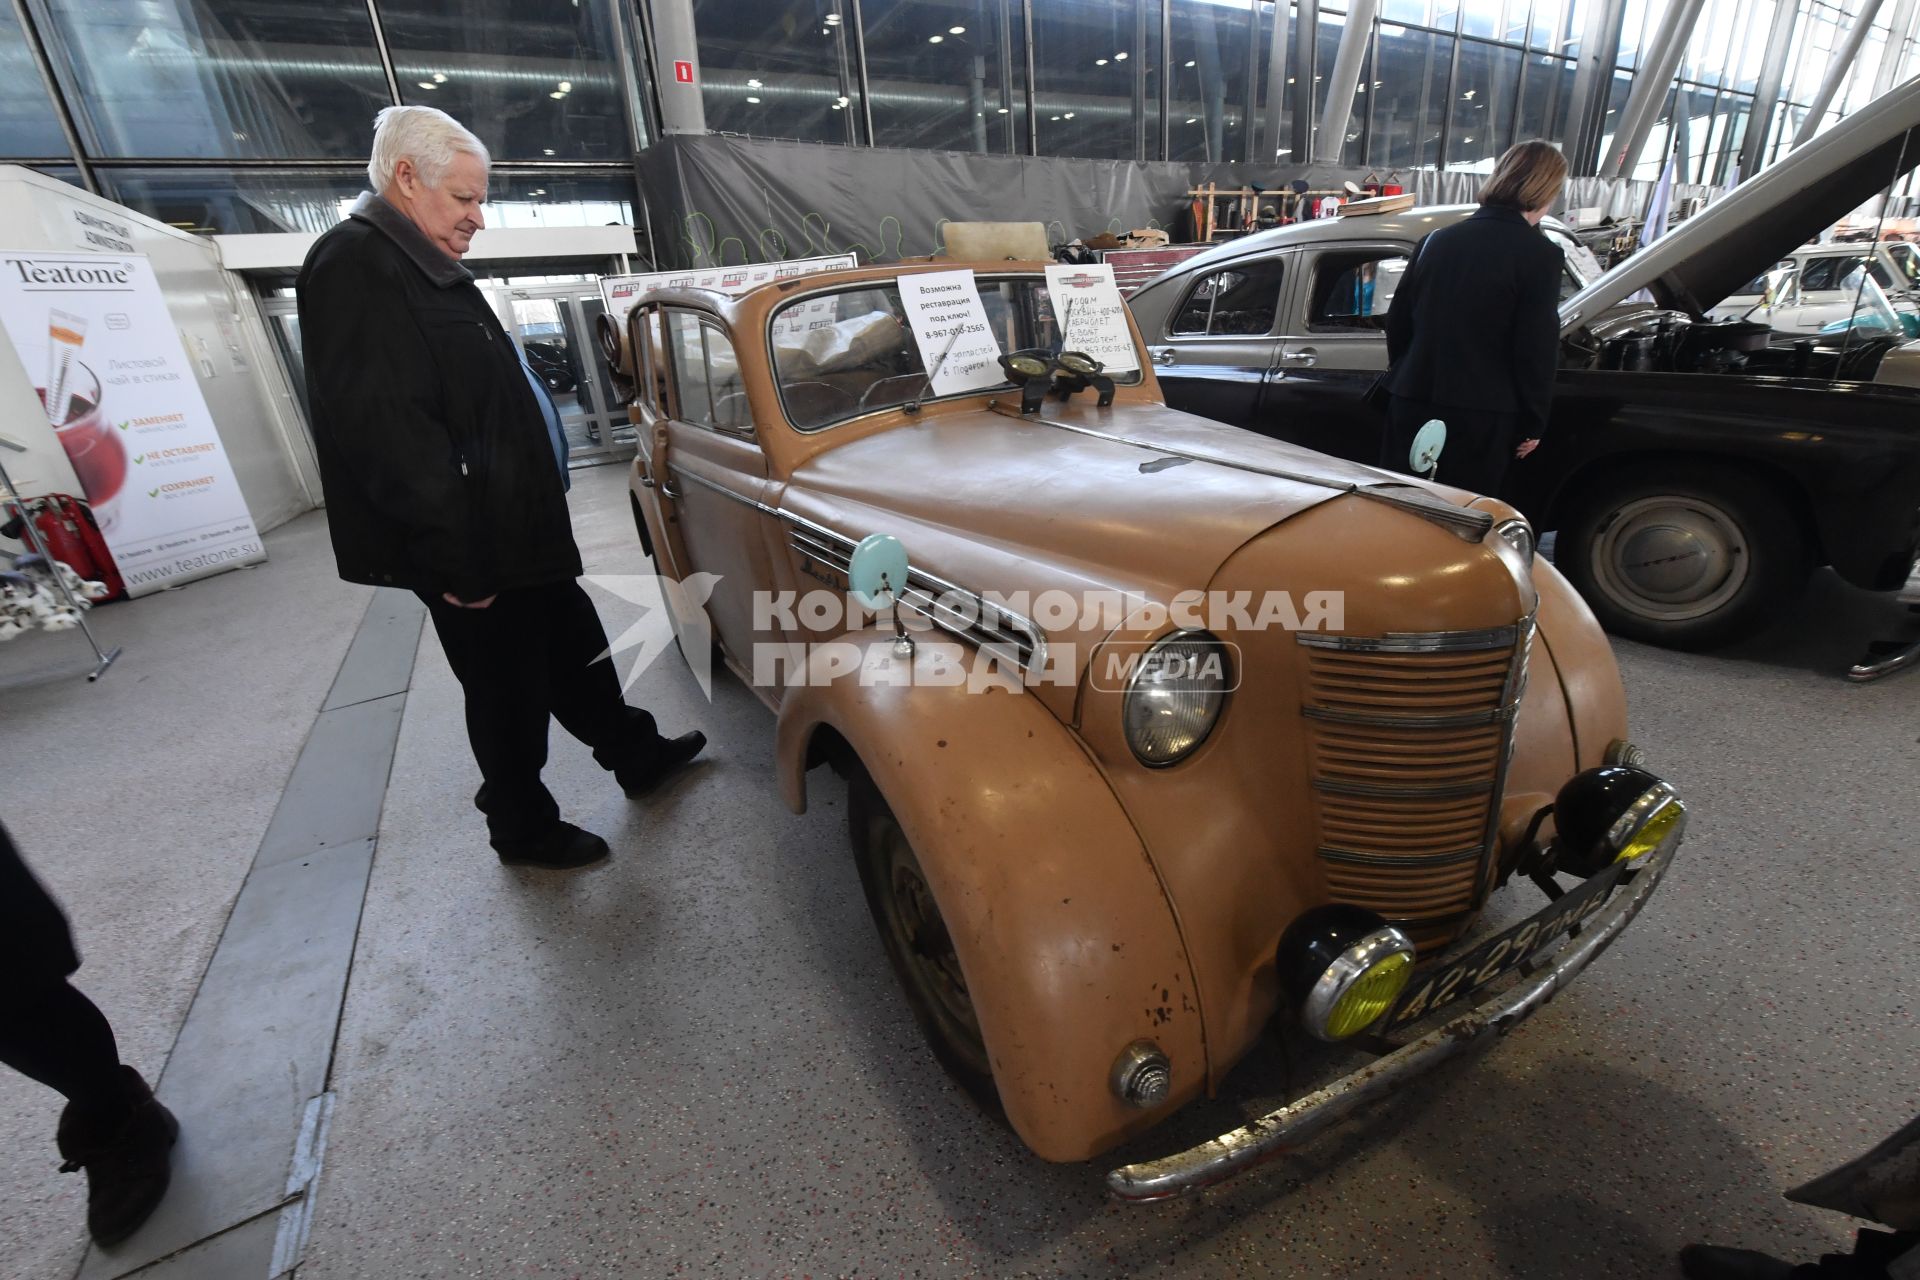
(719, 199)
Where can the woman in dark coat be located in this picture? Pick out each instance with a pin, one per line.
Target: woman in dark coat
(113, 1127)
(1473, 334)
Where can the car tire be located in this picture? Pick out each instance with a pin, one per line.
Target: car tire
(1686, 561)
(915, 939)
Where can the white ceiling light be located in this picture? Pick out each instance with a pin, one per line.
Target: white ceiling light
(439, 77)
(1099, 62)
(831, 19)
(956, 31)
(753, 84)
(935, 39)
(753, 99)
(1193, 120)
(1068, 116)
(547, 151)
(1189, 62)
(556, 94)
(1002, 111)
(566, 86)
(428, 84)
(1120, 56)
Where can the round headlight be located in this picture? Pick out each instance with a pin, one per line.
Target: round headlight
(1612, 814)
(1519, 535)
(1344, 967)
(1024, 367)
(1174, 696)
(1078, 362)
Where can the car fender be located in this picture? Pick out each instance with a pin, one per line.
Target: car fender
(1070, 947)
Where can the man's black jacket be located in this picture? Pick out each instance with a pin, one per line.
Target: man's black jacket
(438, 470)
(1475, 322)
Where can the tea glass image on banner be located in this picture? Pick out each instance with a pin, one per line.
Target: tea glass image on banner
(99, 458)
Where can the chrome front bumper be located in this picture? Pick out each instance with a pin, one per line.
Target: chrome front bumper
(1291, 1126)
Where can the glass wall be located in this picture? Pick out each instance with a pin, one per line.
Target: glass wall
(244, 116)
(255, 115)
(779, 68)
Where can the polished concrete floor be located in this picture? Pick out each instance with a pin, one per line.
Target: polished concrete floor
(692, 1060)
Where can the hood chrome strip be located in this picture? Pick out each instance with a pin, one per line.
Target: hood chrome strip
(1466, 522)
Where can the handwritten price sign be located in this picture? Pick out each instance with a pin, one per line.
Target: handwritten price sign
(950, 327)
(1094, 319)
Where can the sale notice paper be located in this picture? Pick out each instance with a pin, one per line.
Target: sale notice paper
(950, 327)
(93, 332)
(1093, 319)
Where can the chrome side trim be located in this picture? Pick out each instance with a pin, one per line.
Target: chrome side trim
(679, 473)
(1016, 634)
(1288, 1127)
(1468, 523)
(1415, 641)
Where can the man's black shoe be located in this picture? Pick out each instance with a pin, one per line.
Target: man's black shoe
(671, 757)
(1712, 1262)
(564, 847)
(126, 1146)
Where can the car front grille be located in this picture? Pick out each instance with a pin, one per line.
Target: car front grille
(1410, 736)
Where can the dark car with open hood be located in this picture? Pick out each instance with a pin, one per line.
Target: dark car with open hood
(1696, 470)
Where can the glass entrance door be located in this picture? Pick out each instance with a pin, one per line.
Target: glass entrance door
(553, 324)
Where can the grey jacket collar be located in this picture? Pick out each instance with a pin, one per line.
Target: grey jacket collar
(398, 227)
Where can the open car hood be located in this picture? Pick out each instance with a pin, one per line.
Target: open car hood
(1697, 264)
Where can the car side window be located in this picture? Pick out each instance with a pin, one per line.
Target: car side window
(1240, 300)
(1831, 273)
(1353, 289)
(706, 374)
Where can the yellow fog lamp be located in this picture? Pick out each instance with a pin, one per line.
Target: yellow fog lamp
(1080, 371)
(1343, 967)
(1032, 371)
(1611, 814)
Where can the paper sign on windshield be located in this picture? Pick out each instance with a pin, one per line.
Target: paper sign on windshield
(949, 325)
(1093, 319)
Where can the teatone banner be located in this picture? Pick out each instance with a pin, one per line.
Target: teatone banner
(93, 332)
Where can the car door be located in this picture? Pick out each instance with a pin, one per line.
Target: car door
(710, 476)
(1218, 341)
(1333, 347)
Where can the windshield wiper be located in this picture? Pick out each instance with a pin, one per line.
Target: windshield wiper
(913, 405)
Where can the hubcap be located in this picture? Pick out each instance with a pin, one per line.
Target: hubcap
(1672, 559)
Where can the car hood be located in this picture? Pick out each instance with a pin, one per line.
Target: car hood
(1704, 259)
(1140, 499)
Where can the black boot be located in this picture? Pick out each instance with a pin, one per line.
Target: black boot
(668, 758)
(125, 1148)
(561, 849)
(1712, 1262)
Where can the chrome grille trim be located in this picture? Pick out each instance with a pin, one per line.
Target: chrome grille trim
(1017, 636)
(1404, 674)
(1414, 641)
(1386, 860)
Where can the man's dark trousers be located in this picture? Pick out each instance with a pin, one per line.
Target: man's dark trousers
(532, 654)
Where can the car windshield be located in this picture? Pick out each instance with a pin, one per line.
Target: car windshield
(838, 355)
(1872, 312)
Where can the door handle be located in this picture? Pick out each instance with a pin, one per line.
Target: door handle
(666, 485)
(1300, 359)
(1162, 355)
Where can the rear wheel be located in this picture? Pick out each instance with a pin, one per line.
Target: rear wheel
(915, 938)
(1689, 561)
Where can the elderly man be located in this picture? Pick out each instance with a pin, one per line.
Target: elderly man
(444, 470)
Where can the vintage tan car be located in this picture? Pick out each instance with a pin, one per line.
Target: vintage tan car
(1177, 732)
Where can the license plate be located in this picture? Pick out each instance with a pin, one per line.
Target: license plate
(1442, 986)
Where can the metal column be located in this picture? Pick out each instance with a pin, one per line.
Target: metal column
(1837, 70)
(1897, 33)
(1305, 27)
(682, 109)
(1593, 86)
(68, 130)
(1271, 143)
(1343, 79)
(1651, 84)
(1766, 96)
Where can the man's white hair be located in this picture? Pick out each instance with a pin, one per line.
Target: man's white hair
(425, 135)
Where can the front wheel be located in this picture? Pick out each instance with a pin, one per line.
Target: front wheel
(1689, 561)
(915, 938)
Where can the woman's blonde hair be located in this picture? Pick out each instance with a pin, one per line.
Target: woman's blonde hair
(1529, 176)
